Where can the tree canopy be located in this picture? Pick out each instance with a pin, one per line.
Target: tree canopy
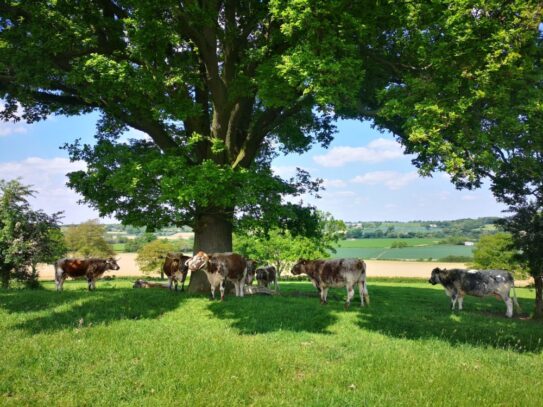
(221, 87)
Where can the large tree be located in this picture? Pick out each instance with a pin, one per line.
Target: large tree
(221, 87)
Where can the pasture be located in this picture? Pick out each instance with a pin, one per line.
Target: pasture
(417, 249)
(123, 346)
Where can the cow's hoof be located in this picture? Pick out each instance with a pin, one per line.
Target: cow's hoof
(346, 305)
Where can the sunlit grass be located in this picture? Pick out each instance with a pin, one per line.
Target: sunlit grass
(123, 346)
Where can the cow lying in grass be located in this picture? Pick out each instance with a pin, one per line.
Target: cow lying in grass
(459, 282)
(335, 273)
(220, 267)
(91, 269)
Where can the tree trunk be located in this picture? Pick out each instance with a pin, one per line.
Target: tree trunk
(5, 277)
(538, 312)
(212, 234)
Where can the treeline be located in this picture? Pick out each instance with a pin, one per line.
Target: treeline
(471, 229)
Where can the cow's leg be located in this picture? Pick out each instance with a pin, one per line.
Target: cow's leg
(60, 283)
(170, 282)
(454, 297)
(350, 295)
(363, 293)
(213, 291)
(509, 304)
(241, 286)
(89, 283)
(183, 278)
(460, 301)
(93, 282)
(222, 290)
(324, 295)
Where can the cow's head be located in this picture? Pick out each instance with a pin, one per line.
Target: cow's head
(112, 264)
(197, 262)
(174, 259)
(434, 278)
(299, 267)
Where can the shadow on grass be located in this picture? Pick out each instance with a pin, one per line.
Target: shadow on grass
(292, 311)
(424, 313)
(77, 308)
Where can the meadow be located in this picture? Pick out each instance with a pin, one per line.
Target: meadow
(417, 249)
(122, 346)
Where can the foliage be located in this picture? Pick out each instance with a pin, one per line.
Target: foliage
(27, 237)
(151, 255)
(398, 244)
(497, 252)
(133, 245)
(281, 248)
(88, 240)
(319, 355)
(221, 90)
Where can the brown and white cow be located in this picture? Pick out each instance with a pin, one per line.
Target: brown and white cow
(175, 269)
(251, 271)
(91, 269)
(220, 267)
(265, 275)
(335, 273)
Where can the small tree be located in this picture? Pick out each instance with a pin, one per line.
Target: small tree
(26, 236)
(151, 255)
(282, 249)
(497, 252)
(88, 240)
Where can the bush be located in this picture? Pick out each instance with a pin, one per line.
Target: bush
(399, 244)
(456, 259)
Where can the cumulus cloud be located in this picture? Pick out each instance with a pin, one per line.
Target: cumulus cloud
(376, 151)
(390, 179)
(48, 180)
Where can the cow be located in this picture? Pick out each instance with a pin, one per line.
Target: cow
(335, 273)
(91, 269)
(265, 275)
(175, 269)
(479, 283)
(251, 269)
(220, 267)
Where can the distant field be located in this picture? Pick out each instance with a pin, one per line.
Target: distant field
(417, 249)
(384, 243)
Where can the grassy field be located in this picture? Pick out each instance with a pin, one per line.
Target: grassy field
(122, 346)
(417, 249)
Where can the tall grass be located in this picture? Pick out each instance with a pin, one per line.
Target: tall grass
(123, 346)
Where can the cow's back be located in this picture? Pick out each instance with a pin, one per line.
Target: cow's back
(339, 270)
(73, 267)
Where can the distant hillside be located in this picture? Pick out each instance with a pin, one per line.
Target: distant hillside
(468, 228)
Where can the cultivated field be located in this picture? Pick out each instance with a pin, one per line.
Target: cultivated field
(120, 346)
(417, 249)
(129, 268)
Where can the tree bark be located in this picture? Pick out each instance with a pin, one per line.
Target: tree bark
(212, 234)
(538, 312)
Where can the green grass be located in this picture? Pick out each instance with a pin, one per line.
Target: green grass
(122, 346)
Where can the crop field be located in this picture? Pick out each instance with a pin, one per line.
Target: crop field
(416, 249)
(123, 346)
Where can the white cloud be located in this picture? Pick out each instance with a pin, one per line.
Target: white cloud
(391, 179)
(334, 183)
(9, 129)
(376, 151)
(468, 197)
(48, 179)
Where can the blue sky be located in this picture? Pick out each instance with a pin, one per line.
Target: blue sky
(367, 176)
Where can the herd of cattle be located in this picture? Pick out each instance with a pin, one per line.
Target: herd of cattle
(348, 273)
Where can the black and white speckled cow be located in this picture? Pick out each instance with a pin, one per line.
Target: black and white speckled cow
(479, 283)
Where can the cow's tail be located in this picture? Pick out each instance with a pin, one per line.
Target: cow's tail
(515, 302)
(364, 284)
